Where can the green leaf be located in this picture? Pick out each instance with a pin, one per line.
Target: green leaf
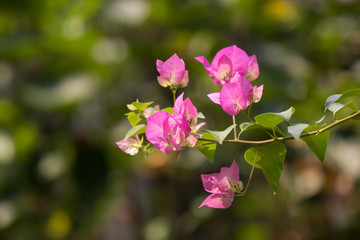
(330, 100)
(141, 106)
(133, 118)
(221, 135)
(139, 129)
(336, 107)
(200, 115)
(286, 115)
(296, 129)
(251, 126)
(269, 120)
(270, 159)
(168, 110)
(318, 142)
(351, 93)
(206, 148)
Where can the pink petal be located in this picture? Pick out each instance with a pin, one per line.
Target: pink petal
(210, 182)
(233, 98)
(238, 58)
(231, 173)
(214, 97)
(175, 132)
(257, 93)
(179, 109)
(127, 146)
(209, 69)
(218, 200)
(224, 71)
(173, 69)
(155, 131)
(253, 69)
(190, 111)
(197, 127)
(164, 82)
(159, 65)
(179, 113)
(191, 140)
(184, 82)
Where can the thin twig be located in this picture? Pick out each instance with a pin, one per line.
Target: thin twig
(234, 122)
(259, 142)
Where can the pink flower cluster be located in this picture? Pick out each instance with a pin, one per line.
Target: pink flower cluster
(172, 72)
(222, 186)
(172, 132)
(233, 69)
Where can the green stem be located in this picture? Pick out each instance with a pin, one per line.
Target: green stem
(252, 171)
(337, 122)
(173, 90)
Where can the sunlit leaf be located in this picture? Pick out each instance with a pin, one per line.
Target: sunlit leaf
(286, 115)
(336, 107)
(168, 110)
(133, 118)
(139, 129)
(200, 115)
(318, 142)
(141, 106)
(270, 159)
(206, 148)
(221, 135)
(330, 100)
(296, 129)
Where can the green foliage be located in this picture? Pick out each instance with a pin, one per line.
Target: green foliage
(133, 118)
(206, 148)
(286, 115)
(296, 129)
(169, 110)
(270, 159)
(139, 129)
(268, 120)
(318, 142)
(221, 135)
(141, 106)
(245, 126)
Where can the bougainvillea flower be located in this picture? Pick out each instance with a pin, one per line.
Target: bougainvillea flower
(226, 63)
(236, 95)
(171, 132)
(130, 146)
(172, 72)
(222, 186)
(160, 131)
(257, 93)
(253, 69)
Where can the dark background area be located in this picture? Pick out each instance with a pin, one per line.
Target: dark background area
(69, 67)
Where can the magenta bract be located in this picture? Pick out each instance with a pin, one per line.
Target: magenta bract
(172, 72)
(171, 133)
(257, 93)
(253, 69)
(130, 146)
(222, 186)
(236, 95)
(226, 63)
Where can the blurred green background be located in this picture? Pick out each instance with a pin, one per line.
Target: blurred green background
(69, 67)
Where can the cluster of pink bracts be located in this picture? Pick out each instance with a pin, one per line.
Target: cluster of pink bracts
(234, 70)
